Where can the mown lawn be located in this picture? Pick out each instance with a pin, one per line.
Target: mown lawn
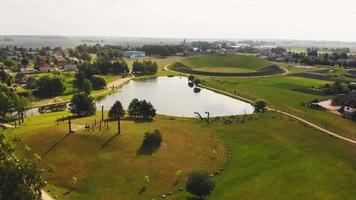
(110, 166)
(233, 61)
(279, 92)
(273, 157)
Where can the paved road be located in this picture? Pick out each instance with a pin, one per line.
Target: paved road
(289, 115)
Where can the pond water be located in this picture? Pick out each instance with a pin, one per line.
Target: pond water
(172, 96)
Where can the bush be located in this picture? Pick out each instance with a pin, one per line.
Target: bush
(151, 142)
(82, 105)
(98, 82)
(199, 183)
(260, 105)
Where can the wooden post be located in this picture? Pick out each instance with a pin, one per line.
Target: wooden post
(15, 124)
(99, 125)
(118, 125)
(70, 125)
(22, 117)
(95, 122)
(57, 120)
(207, 119)
(102, 113)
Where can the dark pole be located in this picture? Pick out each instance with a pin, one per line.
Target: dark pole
(118, 125)
(22, 118)
(207, 120)
(102, 113)
(70, 125)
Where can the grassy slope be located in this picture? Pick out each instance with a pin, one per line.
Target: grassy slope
(117, 171)
(273, 157)
(236, 61)
(279, 93)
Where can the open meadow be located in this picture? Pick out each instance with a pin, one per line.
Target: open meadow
(268, 156)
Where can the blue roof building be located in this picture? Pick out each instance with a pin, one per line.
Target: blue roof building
(133, 54)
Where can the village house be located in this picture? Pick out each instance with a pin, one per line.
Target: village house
(70, 67)
(31, 83)
(47, 68)
(28, 70)
(21, 78)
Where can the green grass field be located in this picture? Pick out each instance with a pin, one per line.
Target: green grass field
(281, 92)
(226, 65)
(249, 62)
(273, 157)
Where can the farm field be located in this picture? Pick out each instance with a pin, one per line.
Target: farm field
(273, 157)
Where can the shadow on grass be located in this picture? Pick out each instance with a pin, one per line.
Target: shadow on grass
(56, 144)
(194, 198)
(142, 190)
(111, 139)
(146, 149)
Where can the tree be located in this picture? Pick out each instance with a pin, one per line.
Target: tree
(199, 183)
(116, 111)
(82, 105)
(134, 108)
(80, 77)
(87, 87)
(20, 180)
(260, 105)
(98, 82)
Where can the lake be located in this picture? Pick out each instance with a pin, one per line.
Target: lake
(172, 96)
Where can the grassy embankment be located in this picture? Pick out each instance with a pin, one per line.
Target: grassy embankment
(226, 65)
(273, 157)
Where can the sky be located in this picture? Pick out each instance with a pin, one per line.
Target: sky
(235, 19)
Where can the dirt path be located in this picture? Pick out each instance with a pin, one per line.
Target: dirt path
(45, 196)
(287, 114)
(118, 83)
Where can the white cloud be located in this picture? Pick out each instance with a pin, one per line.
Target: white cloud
(290, 19)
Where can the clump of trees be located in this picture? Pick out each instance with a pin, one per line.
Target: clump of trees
(260, 105)
(98, 82)
(141, 109)
(19, 179)
(162, 50)
(145, 67)
(86, 84)
(199, 183)
(10, 102)
(116, 111)
(82, 105)
(49, 86)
